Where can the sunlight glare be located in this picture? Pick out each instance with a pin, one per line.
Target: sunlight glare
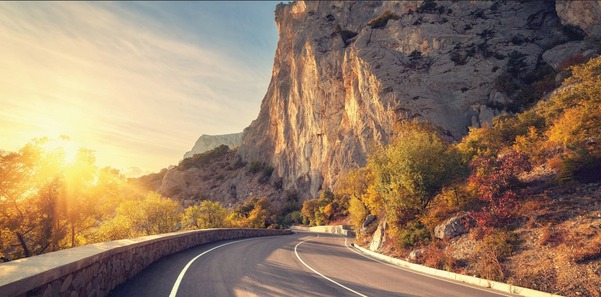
(65, 146)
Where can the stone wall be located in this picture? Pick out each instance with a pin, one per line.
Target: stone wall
(94, 270)
(334, 229)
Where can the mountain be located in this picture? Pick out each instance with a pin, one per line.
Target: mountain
(345, 72)
(209, 142)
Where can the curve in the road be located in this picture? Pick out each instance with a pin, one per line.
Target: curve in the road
(183, 272)
(302, 264)
(325, 277)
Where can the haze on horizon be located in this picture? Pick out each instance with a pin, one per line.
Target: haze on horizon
(137, 83)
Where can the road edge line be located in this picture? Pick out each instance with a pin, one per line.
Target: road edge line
(183, 272)
(451, 276)
(318, 273)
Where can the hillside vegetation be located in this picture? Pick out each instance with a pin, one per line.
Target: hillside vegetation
(48, 202)
(526, 187)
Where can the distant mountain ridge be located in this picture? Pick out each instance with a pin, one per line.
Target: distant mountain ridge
(209, 142)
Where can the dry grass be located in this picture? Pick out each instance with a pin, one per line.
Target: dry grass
(556, 249)
(436, 256)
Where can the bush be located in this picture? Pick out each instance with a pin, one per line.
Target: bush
(415, 55)
(430, 6)
(413, 234)
(357, 212)
(205, 158)
(382, 20)
(255, 166)
(573, 32)
(516, 63)
(492, 251)
(496, 182)
(436, 257)
(413, 168)
(320, 211)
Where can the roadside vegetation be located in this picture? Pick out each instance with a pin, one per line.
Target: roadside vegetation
(505, 181)
(527, 187)
(51, 199)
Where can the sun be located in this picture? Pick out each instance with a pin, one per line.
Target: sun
(67, 148)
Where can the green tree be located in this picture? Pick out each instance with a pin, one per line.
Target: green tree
(151, 215)
(412, 169)
(208, 214)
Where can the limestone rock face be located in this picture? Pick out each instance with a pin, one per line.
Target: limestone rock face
(209, 142)
(340, 82)
(584, 14)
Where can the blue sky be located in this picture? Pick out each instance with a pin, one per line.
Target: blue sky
(138, 82)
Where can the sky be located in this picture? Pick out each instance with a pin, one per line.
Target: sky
(137, 82)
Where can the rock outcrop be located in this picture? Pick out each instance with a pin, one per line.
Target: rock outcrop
(378, 238)
(209, 142)
(582, 14)
(345, 72)
(452, 227)
(225, 178)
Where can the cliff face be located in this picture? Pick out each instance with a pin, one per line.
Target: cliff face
(209, 142)
(345, 72)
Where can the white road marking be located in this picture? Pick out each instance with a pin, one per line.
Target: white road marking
(181, 274)
(325, 277)
(424, 274)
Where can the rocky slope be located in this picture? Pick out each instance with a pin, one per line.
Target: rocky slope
(209, 142)
(345, 72)
(216, 175)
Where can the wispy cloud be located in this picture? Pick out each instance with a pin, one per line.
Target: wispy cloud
(119, 81)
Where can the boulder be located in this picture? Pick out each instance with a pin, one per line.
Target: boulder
(452, 227)
(378, 239)
(416, 255)
(584, 14)
(559, 54)
(368, 220)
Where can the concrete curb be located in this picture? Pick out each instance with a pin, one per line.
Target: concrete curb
(503, 287)
(334, 229)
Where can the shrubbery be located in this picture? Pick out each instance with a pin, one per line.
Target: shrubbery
(322, 210)
(382, 20)
(202, 159)
(418, 180)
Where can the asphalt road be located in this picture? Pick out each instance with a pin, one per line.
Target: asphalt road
(303, 264)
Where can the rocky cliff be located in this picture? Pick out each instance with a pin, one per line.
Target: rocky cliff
(209, 142)
(345, 72)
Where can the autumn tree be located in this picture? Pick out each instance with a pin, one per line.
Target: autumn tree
(412, 169)
(496, 183)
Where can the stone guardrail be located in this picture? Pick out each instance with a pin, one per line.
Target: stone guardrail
(94, 270)
(503, 287)
(334, 229)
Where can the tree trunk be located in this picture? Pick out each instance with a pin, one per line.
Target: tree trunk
(23, 244)
(72, 235)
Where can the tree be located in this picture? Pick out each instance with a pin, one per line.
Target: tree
(28, 196)
(208, 214)
(151, 215)
(412, 169)
(77, 199)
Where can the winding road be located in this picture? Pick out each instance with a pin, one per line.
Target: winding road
(303, 264)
